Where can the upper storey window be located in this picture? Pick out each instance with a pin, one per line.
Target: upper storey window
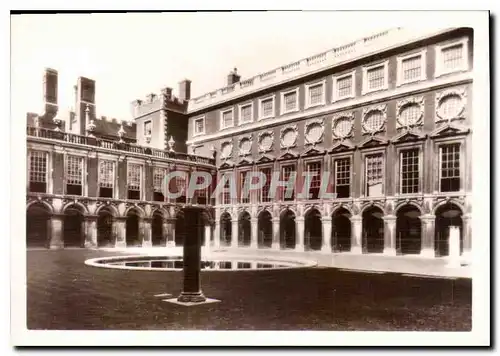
(290, 101)
(148, 128)
(134, 181)
(74, 175)
(376, 77)
(38, 171)
(227, 119)
(411, 68)
(343, 86)
(246, 113)
(199, 126)
(451, 57)
(315, 94)
(266, 107)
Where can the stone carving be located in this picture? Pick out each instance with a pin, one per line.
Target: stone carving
(289, 136)
(314, 130)
(450, 105)
(342, 125)
(226, 149)
(410, 113)
(374, 119)
(245, 145)
(266, 141)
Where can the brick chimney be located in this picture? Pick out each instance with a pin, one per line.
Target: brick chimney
(85, 98)
(50, 80)
(185, 89)
(233, 77)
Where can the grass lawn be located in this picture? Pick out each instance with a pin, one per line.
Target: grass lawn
(63, 293)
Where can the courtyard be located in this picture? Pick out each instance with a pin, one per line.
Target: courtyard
(65, 294)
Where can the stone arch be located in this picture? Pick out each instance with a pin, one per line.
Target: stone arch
(106, 234)
(230, 212)
(244, 228)
(448, 214)
(73, 226)
(38, 214)
(448, 201)
(408, 228)
(313, 229)
(288, 229)
(111, 208)
(138, 211)
(133, 235)
(341, 229)
(310, 208)
(226, 230)
(286, 210)
(157, 236)
(373, 229)
(407, 203)
(344, 207)
(81, 207)
(180, 229)
(264, 228)
(371, 205)
(46, 204)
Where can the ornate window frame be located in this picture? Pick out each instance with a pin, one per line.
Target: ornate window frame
(84, 156)
(336, 78)
(259, 141)
(399, 148)
(436, 163)
(402, 104)
(368, 152)
(142, 180)
(240, 109)
(337, 156)
(194, 126)
(115, 159)
(337, 117)
(308, 98)
(439, 70)
(283, 110)
(321, 122)
(422, 53)
(221, 118)
(241, 153)
(385, 65)
(366, 112)
(440, 96)
(283, 131)
(48, 175)
(273, 114)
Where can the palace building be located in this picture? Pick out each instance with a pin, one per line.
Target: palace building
(388, 116)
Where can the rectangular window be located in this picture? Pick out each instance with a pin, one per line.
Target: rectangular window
(243, 176)
(453, 57)
(199, 126)
(376, 77)
(343, 177)
(158, 184)
(290, 101)
(314, 173)
(411, 68)
(450, 167)
(267, 108)
(246, 113)
(227, 119)
(38, 171)
(264, 193)
(226, 191)
(177, 185)
(344, 87)
(134, 181)
(409, 171)
(74, 175)
(106, 179)
(286, 172)
(148, 128)
(201, 194)
(316, 94)
(374, 174)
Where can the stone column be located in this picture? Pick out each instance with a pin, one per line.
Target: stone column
(326, 246)
(56, 231)
(428, 232)
(467, 236)
(217, 235)
(254, 240)
(356, 234)
(234, 233)
(120, 232)
(390, 235)
(276, 234)
(146, 230)
(191, 291)
(91, 231)
(208, 235)
(299, 234)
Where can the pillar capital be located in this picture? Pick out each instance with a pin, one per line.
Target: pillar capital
(356, 218)
(300, 219)
(389, 218)
(90, 217)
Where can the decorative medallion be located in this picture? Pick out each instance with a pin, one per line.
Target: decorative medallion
(450, 105)
(226, 149)
(342, 125)
(288, 136)
(245, 145)
(266, 140)
(374, 119)
(410, 113)
(314, 130)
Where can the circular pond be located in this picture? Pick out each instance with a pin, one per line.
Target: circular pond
(175, 263)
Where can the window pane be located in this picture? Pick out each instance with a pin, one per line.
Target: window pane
(227, 118)
(290, 101)
(106, 174)
(316, 94)
(450, 167)
(246, 112)
(199, 126)
(409, 171)
(412, 68)
(375, 77)
(374, 174)
(453, 57)
(267, 107)
(344, 86)
(134, 177)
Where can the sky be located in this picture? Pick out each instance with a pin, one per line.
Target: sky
(131, 55)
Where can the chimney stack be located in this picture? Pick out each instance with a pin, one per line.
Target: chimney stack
(185, 89)
(167, 92)
(85, 98)
(233, 77)
(50, 90)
